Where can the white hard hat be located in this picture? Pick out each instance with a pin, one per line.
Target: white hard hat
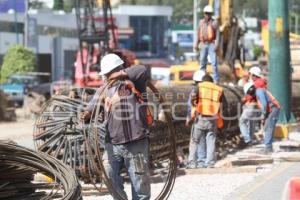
(255, 71)
(198, 75)
(247, 86)
(109, 62)
(208, 9)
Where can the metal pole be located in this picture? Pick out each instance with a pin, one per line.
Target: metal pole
(16, 21)
(26, 16)
(195, 24)
(280, 69)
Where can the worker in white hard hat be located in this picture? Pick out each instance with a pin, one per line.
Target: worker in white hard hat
(207, 98)
(249, 116)
(197, 78)
(208, 39)
(194, 155)
(257, 77)
(126, 120)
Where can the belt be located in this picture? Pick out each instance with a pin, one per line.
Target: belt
(206, 42)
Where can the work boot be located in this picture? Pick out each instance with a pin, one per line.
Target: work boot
(243, 144)
(265, 151)
(191, 165)
(201, 165)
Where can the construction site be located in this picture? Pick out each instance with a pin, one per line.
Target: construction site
(150, 99)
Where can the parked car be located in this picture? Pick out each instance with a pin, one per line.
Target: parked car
(18, 86)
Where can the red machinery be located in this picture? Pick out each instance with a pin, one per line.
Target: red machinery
(98, 35)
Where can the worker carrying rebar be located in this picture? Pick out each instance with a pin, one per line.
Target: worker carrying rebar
(125, 125)
(269, 106)
(206, 101)
(208, 38)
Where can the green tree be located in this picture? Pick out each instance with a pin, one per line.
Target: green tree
(17, 60)
(58, 5)
(69, 5)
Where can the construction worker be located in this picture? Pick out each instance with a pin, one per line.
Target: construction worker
(245, 79)
(249, 115)
(197, 151)
(206, 98)
(208, 38)
(270, 109)
(257, 77)
(126, 117)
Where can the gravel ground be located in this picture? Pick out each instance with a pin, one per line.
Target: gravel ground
(19, 131)
(187, 187)
(197, 187)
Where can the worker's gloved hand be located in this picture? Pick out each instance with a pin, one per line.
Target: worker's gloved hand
(196, 48)
(188, 122)
(86, 115)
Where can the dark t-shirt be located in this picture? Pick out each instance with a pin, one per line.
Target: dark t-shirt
(127, 117)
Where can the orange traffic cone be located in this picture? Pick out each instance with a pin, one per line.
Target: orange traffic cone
(294, 189)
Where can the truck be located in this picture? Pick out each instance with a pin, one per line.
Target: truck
(18, 86)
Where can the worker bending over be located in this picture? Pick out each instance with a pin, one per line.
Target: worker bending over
(206, 98)
(249, 115)
(270, 108)
(208, 38)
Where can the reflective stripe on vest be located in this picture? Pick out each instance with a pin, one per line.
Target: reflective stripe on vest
(209, 99)
(272, 99)
(210, 34)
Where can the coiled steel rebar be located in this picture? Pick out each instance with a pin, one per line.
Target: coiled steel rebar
(19, 165)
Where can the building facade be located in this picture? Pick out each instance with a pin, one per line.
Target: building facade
(53, 36)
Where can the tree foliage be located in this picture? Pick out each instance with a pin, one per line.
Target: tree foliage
(69, 5)
(58, 5)
(17, 60)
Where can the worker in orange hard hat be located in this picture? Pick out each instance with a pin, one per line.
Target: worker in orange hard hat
(208, 38)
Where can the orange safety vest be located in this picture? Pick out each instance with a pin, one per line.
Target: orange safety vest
(273, 100)
(209, 101)
(211, 34)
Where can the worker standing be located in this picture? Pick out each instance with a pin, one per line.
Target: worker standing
(206, 98)
(197, 150)
(208, 38)
(249, 115)
(126, 118)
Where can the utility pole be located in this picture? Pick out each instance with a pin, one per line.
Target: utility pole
(26, 16)
(279, 65)
(16, 21)
(195, 23)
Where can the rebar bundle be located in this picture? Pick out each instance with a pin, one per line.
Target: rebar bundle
(19, 165)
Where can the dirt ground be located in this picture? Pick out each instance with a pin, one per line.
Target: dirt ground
(20, 131)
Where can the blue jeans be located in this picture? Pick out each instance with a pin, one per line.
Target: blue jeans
(135, 157)
(270, 127)
(209, 50)
(197, 149)
(202, 144)
(247, 121)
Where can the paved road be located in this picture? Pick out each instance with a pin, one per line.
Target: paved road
(269, 186)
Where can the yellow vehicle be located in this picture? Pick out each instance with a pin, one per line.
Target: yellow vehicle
(183, 74)
(228, 54)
